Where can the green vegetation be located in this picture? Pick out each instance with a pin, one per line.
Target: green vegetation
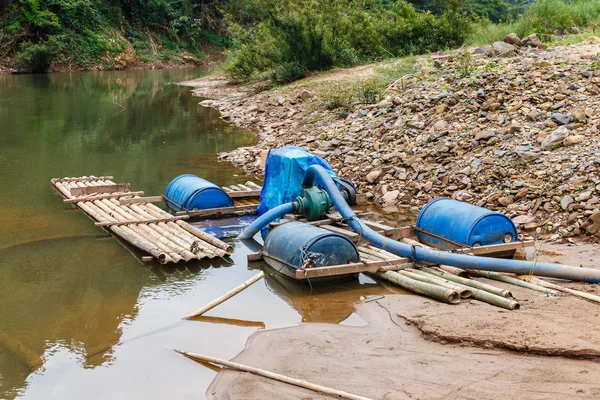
(546, 18)
(282, 40)
(276, 41)
(105, 33)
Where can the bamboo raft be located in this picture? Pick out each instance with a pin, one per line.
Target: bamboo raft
(164, 237)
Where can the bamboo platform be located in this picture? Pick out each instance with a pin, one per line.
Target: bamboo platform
(245, 201)
(165, 237)
(373, 259)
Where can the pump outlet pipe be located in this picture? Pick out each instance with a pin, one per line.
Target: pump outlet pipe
(422, 254)
(266, 219)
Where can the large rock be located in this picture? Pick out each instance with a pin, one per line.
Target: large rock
(533, 41)
(391, 196)
(555, 138)
(374, 176)
(513, 39)
(501, 49)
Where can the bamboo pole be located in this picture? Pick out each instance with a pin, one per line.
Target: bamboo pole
(274, 376)
(205, 236)
(113, 208)
(132, 237)
(185, 246)
(160, 241)
(490, 298)
(453, 270)
(209, 239)
(463, 291)
(141, 232)
(206, 248)
(513, 281)
(587, 296)
(226, 296)
(469, 282)
(426, 289)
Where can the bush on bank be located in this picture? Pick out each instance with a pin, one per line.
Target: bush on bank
(284, 40)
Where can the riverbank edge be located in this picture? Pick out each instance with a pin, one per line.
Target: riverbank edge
(212, 60)
(549, 341)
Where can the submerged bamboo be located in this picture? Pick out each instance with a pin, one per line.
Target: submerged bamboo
(226, 296)
(272, 375)
(426, 289)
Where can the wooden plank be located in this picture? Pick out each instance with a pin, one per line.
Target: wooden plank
(348, 233)
(392, 233)
(138, 200)
(102, 196)
(354, 268)
(81, 191)
(496, 248)
(258, 256)
(141, 221)
(218, 212)
(244, 193)
(86, 179)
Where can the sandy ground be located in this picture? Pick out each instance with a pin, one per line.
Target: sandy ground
(414, 347)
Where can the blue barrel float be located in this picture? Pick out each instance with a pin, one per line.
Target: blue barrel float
(291, 245)
(462, 223)
(190, 192)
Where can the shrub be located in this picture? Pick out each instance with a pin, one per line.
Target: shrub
(38, 57)
(285, 39)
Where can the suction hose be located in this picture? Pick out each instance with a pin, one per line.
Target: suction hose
(266, 218)
(440, 257)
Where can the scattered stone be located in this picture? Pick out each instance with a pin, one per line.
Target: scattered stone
(574, 139)
(305, 95)
(506, 200)
(565, 202)
(561, 119)
(533, 41)
(440, 126)
(280, 100)
(391, 196)
(555, 138)
(484, 135)
(374, 176)
(584, 196)
(513, 38)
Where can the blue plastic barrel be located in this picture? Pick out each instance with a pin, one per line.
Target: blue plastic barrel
(193, 193)
(296, 243)
(463, 223)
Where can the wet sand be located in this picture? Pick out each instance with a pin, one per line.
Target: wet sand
(414, 347)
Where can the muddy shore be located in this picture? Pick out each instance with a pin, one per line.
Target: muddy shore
(414, 347)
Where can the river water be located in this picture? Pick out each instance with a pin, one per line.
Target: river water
(80, 317)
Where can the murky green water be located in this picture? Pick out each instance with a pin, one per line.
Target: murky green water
(80, 317)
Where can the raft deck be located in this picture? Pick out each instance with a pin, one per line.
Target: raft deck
(245, 201)
(115, 207)
(372, 259)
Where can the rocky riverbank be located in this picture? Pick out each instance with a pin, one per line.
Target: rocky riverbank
(510, 127)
